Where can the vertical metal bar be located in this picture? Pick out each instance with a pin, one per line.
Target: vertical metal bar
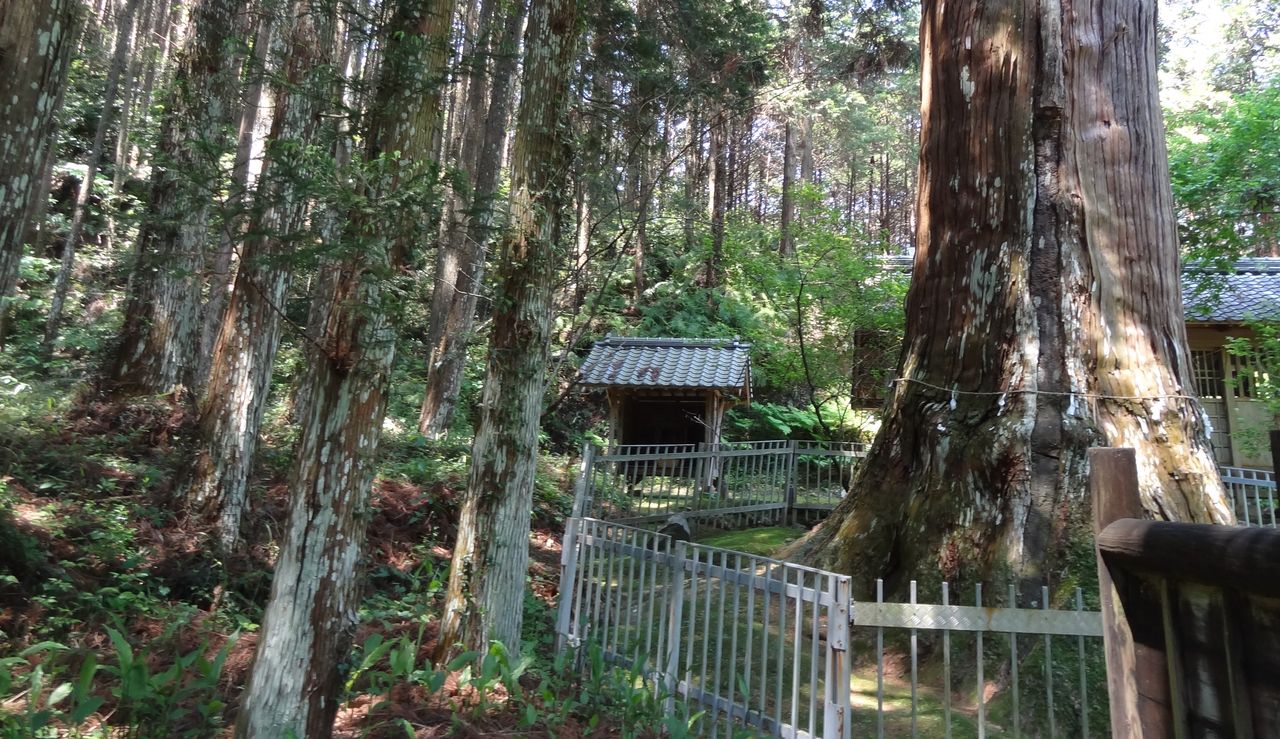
(814, 636)
(1048, 665)
(879, 666)
(1084, 681)
(693, 628)
(568, 575)
(676, 586)
(597, 554)
(582, 604)
(836, 722)
(797, 650)
(764, 647)
(648, 579)
(662, 552)
(915, 672)
(946, 665)
(724, 564)
(608, 585)
(751, 638)
(982, 684)
(706, 635)
(782, 648)
(1013, 666)
(733, 641)
(635, 587)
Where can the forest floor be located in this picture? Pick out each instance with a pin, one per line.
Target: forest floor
(102, 577)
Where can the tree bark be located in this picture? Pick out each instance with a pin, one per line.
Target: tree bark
(245, 350)
(786, 247)
(458, 289)
(36, 41)
(119, 59)
(1045, 313)
(311, 614)
(220, 272)
(484, 600)
(161, 333)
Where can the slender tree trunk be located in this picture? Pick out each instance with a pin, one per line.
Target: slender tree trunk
(785, 245)
(119, 60)
(1044, 315)
(311, 615)
(36, 41)
(453, 317)
(245, 350)
(485, 596)
(717, 196)
(220, 273)
(161, 333)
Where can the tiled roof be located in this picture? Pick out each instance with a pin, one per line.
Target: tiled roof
(675, 363)
(1249, 292)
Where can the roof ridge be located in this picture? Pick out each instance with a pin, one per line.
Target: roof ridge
(670, 341)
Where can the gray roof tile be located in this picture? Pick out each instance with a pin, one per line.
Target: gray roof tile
(677, 363)
(1249, 292)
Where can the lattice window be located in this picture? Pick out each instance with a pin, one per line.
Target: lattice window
(1207, 373)
(1245, 375)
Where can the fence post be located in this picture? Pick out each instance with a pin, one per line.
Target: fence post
(836, 719)
(788, 513)
(1275, 450)
(569, 549)
(1137, 671)
(675, 614)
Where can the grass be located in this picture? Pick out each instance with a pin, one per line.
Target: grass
(763, 542)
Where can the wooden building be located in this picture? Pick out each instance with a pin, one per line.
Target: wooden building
(1221, 305)
(668, 391)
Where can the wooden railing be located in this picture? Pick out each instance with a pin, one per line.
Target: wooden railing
(1191, 616)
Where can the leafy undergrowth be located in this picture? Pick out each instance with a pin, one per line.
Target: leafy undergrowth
(116, 617)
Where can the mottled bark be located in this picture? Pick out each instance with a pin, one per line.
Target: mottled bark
(161, 333)
(484, 600)
(80, 210)
(36, 40)
(1044, 315)
(220, 272)
(245, 350)
(311, 614)
(460, 262)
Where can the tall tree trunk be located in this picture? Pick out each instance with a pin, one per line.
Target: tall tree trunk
(244, 353)
(311, 614)
(36, 41)
(161, 332)
(453, 313)
(786, 247)
(220, 272)
(717, 196)
(485, 596)
(119, 59)
(1044, 314)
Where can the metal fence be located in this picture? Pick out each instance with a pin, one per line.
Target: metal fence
(737, 641)
(734, 484)
(730, 640)
(734, 641)
(1253, 495)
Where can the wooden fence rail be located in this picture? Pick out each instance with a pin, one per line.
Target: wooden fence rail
(1191, 616)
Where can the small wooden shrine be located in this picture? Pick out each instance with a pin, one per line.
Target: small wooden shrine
(669, 391)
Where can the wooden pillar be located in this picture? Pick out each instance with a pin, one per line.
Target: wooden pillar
(1133, 628)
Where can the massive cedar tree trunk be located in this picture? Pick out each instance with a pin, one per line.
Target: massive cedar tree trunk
(80, 210)
(460, 261)
(484, 601)
(1044, 315)
(245, 350)
(161, 330)
(36, 40)
(311, 615)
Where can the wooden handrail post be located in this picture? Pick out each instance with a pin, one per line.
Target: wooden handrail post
(1137, 672)
(1275, 449)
